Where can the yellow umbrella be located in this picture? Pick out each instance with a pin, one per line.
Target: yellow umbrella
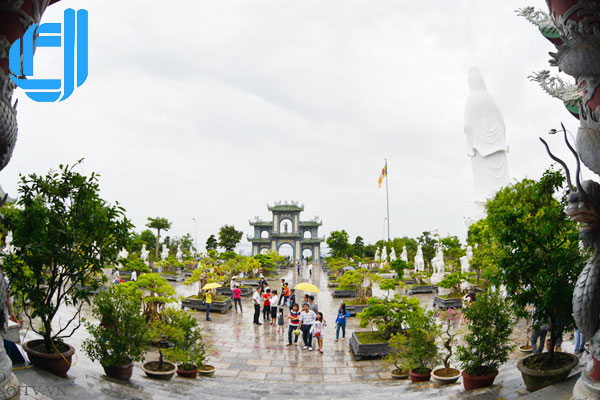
(210, 286)
(307, 287)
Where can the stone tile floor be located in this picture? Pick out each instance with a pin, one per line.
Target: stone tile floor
(254, 363)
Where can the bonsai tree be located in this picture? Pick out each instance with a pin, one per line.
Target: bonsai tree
(387, 285)
(487, 342)
(450, 320)
(389, 316)
(135, 263)
(64, 234)
(159, 293)
(399, 266)
(537, 251)
(164, 330)
(170, 265)
(189, 349)
(229, 237)
(121, 336)
(395, 357)
(453, 282)
(419, 350)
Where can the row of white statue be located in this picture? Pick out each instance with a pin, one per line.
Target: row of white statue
(144, 253)
(438, 264)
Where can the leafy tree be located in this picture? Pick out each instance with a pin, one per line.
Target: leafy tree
(370, 251)
(411, 247)
(358, 248)
(186, 242)
(229, 237)
(160, 224)
(338, 243)
(160, 292)
(399, 267)
(428, 241)
(65, 234)
(139, 239)
(537, 251)
(452, 281)
(211, 243)
(422, 353)
(453, 251)
(484, 249)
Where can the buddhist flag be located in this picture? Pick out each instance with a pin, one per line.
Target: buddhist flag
(383, 174)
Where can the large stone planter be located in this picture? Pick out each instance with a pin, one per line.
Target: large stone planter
(444, 304)
(173, 277)
(199, 305)
(226, 291)
(353, 310)
(389, 275)
(344, 293)
(369, 350)
(333, 284)
(419, 289)
(410, 281)
(535, 379)
(248, 282)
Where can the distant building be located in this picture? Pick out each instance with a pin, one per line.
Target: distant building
(284, 228)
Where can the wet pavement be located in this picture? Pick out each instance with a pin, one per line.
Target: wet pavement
(253, 362)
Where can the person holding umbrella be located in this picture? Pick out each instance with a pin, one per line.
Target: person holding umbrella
(208, 301)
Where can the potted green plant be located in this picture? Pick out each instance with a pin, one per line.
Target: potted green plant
(450, 322)
(453, 282)
(487, 342)
(157, 294)
(190, 349)
(536, 251)
(64, 235)
(121, 336)
(420, 352)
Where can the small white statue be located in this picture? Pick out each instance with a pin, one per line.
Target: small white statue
(123, 253)
(165, 253)
(192, 252)
(144, 254)
(439, 267)
(377, 254)
(393, 255)
(465, 261)
(404, 255)
(384, 254)
(179, 254)
(9, 248)
(419, 261)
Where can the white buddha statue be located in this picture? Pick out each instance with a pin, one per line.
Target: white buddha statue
(404, 255)
(179, 254)
(144, 254)
(419, 261)
(487, 148)
(164, 253)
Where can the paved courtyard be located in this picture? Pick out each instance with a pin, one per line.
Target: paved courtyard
(254, 363)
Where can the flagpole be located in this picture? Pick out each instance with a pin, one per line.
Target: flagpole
(387, 196)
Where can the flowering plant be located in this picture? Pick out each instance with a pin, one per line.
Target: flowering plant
(450, 323)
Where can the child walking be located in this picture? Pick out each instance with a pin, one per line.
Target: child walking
(317, 330)
(280, 321)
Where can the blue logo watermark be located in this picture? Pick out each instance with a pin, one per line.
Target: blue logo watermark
(73, 37)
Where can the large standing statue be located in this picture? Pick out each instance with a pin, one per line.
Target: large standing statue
(144, 254)
(419, 261)
(393, 254)
(123, 253)
(486, 139)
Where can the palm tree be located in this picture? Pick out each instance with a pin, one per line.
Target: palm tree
(159, 224)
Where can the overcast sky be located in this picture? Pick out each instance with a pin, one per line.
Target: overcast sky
(212, 109)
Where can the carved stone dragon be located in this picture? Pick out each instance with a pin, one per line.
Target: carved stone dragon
(573, 26)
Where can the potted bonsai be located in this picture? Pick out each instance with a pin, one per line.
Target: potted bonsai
(394, 358)
(420, 352)
(189, 349)
(164, 332)
(454, 282)
(536, 251)
(487, 342)
(450, 329)
(64, 235)
(121, 336)
(157, 294)
(385, 317)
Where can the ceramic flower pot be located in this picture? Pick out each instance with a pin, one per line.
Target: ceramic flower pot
(150, 368)
(417, 377)
(120, 372)
(56, 363)
(472, 382)
(445, 376)
(206, 371)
